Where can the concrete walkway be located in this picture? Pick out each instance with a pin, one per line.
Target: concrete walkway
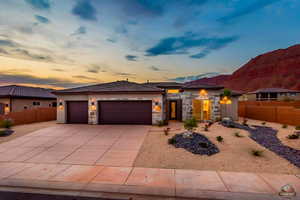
(81, 158)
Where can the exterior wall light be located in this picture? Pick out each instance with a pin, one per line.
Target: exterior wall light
(93, 106)
(225, 100)
(6, 109)
(203, 93)
(157, 106)
(60, 105)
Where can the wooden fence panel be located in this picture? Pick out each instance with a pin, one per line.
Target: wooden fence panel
(280, 112)
(31, 116)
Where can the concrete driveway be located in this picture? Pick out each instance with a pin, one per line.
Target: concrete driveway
(105, 145)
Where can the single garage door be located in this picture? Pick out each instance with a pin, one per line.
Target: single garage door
(125, 112)
(77, 112)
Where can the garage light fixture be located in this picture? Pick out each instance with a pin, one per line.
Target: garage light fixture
(60, 105)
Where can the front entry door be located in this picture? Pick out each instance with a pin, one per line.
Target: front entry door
(173, 110)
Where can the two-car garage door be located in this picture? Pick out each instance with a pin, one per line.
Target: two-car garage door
(112, 112)
(125, 112)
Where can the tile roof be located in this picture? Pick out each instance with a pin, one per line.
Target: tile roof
(202, 86)
(273, 90)
(24, 91)
(117, 86)
(165, 84)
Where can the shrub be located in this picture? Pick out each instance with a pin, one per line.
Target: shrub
(284, 126)
(206, 126)
(257, 153)
(237, 134)
(161, 123)
(166, 131)
(190, 124)
(264, 123)
(171, 141)
(220, 138)
(227, 92)
(7, 123)
(2, 133)
(293, 136)
(298, 128)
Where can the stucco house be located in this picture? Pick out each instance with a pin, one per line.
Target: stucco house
(15, 98)
(124, 102)
(273, 94)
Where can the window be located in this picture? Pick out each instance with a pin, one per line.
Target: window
(173, 91)
(273, 95)
(36, 103)
(293, 94)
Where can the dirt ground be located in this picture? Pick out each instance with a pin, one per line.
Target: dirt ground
(21, 130)
(235, 153)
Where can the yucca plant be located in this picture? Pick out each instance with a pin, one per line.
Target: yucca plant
(257, 153)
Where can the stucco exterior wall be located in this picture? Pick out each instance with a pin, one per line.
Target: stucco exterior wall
(19, 104)
(93, 114)
(16, 105)
(231, 110)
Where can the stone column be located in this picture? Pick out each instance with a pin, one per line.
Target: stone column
(93, 111)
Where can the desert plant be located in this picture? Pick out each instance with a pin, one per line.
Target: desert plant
(190, 124)
(161, 123)
(166, 131)
(297, 128)
(237, 134)
(257, 153)
(7, 123)
(293, 136)
(2, 133)
(206, 127)
(284, 126)
(263, 123)
(220, 138)
(171, 141)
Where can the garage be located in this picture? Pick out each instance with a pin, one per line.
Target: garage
(77, 112)
(125, 112)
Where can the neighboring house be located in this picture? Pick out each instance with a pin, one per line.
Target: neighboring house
(124, 102)
(14, 98)
(273, 94)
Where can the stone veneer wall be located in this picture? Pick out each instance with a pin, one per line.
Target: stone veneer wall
(187, 103)
(93, 114)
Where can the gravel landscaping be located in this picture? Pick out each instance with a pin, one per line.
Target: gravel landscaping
(267, 137)
(197, 144)
(235, 153)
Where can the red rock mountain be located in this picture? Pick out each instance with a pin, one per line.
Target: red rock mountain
(279, 68)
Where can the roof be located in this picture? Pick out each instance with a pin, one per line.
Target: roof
(274, 90)
(26, 92)
(112, 87)
(165, 84)
(202, 86)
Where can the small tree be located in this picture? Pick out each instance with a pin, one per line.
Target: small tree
(227, 92)
(190, 125)
(6, 123)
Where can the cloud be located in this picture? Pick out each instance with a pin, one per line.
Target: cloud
(111, 40)
(29, 79)
(32, 56)
(238, 13)
(188, 42)
(183, 79)
(7, 43)
(80, 31)
(3, 51)
(124, 74)
(58, 70)
(131, 57)
(85, 10)
(94, 69)
(153, 68)
(40, 4)
(85, 77)
(42, 19)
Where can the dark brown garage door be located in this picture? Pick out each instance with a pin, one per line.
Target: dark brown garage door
(77, 112)
(125, 112)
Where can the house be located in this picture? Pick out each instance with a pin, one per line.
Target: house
(124, 102)
(273, 94)
(14, 98)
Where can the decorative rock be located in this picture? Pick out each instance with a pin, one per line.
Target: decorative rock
(198, 144)
(287, 190)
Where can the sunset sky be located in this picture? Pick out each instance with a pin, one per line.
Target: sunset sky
(68, 43)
